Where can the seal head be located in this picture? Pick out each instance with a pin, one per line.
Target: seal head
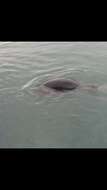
(62, 85)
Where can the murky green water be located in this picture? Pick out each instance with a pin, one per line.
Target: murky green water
(31, 118)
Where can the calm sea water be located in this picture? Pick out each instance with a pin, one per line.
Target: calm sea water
(31, 118)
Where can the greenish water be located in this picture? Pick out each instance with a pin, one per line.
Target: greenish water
(29, 117)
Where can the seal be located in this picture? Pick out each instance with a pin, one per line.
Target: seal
(62, 85)
(59, 86)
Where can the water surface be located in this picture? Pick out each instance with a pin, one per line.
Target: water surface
(77, 119)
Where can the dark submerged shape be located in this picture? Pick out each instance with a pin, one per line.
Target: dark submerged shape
(62, 84)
